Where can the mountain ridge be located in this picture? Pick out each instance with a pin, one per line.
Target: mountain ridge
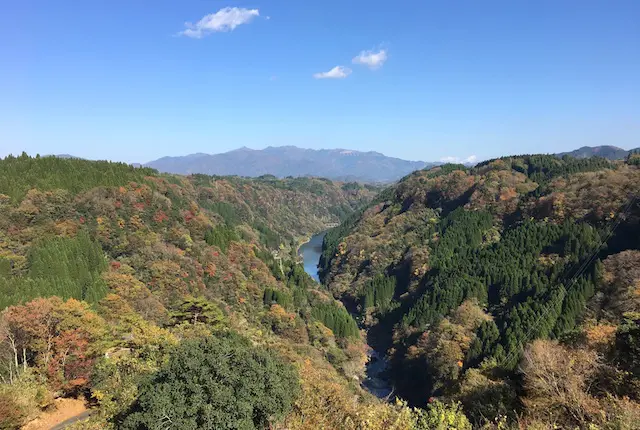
(283, 161)
(609, 152)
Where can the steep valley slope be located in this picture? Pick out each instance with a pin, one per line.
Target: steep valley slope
(504, 296)
(482, 285)
(110, 275)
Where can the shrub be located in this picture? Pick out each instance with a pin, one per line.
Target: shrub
(441, 416)
(12, 413)
(215, 383)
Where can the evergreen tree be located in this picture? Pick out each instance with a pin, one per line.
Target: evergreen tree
(215, 383)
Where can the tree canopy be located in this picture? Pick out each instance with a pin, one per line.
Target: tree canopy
(215, 383)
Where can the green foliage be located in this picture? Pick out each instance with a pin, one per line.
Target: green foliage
(333, 238)
(12, 413)
(64, 267)
(272, 296)
(461, 234)
(221, 236)
(341, 211)
(485, 397)
(633, 159)
(441, 416)
(227, 211)
(197, 310)
(20, 174)
(5, 267)
(21, 400)
(280, 210)
(543, 168)
(268, 237)
(378, 292)
(288, 271)
(215, 383)
(526, 294)
(445, 169)
(309, 185)
(335, 318)
(628, 344)
(441, 237)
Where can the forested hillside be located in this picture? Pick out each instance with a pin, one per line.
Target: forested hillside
(176, 300)
(511, 287)
(505, 296)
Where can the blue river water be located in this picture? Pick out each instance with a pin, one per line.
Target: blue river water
(375, 382)
(310, 253)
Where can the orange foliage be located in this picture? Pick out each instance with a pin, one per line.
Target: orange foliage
(59, 338)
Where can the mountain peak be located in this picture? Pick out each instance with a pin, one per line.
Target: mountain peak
(606, 151)
(289, 160)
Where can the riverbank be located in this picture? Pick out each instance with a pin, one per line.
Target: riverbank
(376, 366)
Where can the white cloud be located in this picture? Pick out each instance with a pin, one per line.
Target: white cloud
(226, 19)
(371, 59)
(338, 72)
(471, 159)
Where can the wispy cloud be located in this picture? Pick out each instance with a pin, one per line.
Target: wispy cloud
(338, 72)
(469, 160)
(371, 59)
(226, 19)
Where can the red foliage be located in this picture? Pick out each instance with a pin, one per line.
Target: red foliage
(160, 216)
(56, 337)
(70, 366)
(210, 269)
(115, 265)
(188, 216)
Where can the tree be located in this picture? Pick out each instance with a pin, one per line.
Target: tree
(60, 339)
(556, 380)
(198, 310)
(221, 236)
(441, 416)
(378, 292)
(485, 396)
(627, 346)
(64, 267)
(215, 383)
(336, 318)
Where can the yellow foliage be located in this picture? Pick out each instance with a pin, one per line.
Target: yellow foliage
(600, 336)
(327, 403)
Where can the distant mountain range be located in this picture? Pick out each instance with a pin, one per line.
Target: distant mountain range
(605, 151)
(283, 161)
(336, 164)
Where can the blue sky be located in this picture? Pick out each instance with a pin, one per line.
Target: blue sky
(128, 80)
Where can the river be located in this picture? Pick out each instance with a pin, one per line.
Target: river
(310, 252)
(375, 382)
